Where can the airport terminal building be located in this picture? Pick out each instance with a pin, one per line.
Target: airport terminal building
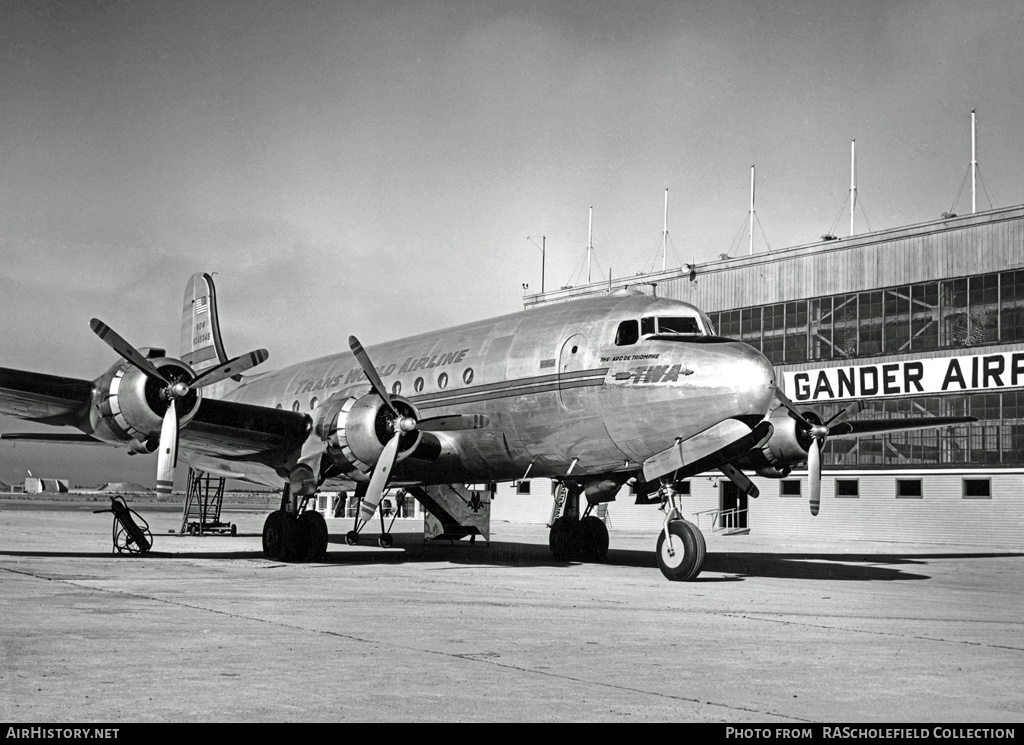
(924, 320)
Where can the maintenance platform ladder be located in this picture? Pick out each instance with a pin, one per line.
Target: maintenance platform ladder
(727, 522)
(204, 496)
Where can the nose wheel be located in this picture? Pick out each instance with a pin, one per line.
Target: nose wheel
(681, 551)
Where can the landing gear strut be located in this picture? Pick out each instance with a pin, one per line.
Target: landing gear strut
(386, 540)
(295, 536)
(576, 539)
(681, 547)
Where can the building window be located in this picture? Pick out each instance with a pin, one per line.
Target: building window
(683, 488)
(909, 489)
(847, 488)
(523, 487)
(977, 489)
(789, 488)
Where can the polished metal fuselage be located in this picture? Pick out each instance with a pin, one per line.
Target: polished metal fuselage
(557, 391)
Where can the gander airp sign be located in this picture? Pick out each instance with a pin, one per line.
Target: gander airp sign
(909, 377)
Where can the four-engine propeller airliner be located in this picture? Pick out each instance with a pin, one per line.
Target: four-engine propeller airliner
(591, 393)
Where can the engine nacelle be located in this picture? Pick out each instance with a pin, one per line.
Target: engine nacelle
(786, 448)
(129, 406)
(355, 430)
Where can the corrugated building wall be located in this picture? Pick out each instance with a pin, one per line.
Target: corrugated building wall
(884, 262)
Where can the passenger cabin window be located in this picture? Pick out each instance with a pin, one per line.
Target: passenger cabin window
(628, 333)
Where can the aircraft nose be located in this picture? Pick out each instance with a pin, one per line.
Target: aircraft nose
(752, 377)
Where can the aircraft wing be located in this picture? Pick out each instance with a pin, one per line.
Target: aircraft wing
(48, 399)
(223, 429)
(241, 432)
(861, 427)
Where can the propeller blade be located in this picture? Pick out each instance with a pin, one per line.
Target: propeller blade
(167, 458)
(113, 340)
(453, 422)
(371, 373)
(851, 410)
(379, 479)
(785, 400)
(231, 367)
(814, 474)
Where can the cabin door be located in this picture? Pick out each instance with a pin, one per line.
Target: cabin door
(571, 359)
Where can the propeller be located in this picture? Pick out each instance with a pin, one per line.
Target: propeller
(173, 390)
(817, 433)
(400, 425)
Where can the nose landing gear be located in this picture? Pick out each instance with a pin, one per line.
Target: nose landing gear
(681, 548)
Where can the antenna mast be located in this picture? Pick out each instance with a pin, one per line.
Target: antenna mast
(543, 251)
(590, 240)
(751, 210)
(664, 237)
(974, 163)
(853, 180)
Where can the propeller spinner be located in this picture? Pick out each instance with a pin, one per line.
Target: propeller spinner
(172, 391)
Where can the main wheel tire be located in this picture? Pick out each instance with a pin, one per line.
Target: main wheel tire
(273, 534)
(296, 538)
(564, 539)
(352, 538)
(684, 562)
(386, 540)
(316, 533)
(593, 539)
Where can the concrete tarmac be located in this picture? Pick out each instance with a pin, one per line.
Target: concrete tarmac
(204, 629)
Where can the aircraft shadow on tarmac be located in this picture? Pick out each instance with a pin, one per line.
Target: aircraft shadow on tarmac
(718, 567)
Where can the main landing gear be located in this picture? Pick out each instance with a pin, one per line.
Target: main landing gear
(681, 547)
(298, 536)
(577, 539)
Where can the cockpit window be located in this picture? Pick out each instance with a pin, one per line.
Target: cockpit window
(678, 325)
(628, 333)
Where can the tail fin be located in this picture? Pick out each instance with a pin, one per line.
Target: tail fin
(201, 346)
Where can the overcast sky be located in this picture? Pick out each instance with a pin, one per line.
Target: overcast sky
(376, 167)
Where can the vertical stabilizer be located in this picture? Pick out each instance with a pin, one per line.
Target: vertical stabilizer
(201, 345)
